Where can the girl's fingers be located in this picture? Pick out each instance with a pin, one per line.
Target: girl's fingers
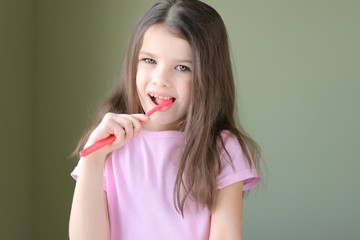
(141, 117)
(123, 126)
(132, 124)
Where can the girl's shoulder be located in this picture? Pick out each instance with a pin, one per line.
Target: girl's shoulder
(229, 141)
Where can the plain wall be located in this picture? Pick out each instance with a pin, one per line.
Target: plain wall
(297, 70)
(17, 25)
(297, 64)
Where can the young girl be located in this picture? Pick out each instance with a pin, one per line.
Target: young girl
(181, 173)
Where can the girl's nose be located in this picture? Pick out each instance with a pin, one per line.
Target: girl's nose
(160, 82)
(161, 77)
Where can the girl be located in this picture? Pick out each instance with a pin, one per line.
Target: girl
(181, 173)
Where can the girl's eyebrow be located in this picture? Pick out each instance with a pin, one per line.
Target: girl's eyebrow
(145, 53)
(189, 61)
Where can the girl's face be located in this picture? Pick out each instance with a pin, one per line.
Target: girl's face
(164, 71)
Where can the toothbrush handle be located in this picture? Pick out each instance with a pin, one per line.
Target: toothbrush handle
(97, 145)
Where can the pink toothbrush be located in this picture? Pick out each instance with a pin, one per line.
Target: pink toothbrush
(103, 142)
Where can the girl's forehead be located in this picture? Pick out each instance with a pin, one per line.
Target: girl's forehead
(158, 39)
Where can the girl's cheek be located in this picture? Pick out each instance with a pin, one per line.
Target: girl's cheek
(142, 74)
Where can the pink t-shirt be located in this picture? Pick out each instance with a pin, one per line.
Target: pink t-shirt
(139, 181)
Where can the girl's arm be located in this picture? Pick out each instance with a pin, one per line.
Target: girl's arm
(89, 214)
(89, 218)
(227, 215)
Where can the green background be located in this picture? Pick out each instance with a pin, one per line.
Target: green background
(297, 69)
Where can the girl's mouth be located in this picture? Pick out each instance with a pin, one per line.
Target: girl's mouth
(159, 99)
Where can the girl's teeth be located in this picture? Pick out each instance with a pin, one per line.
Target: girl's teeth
(159, 97)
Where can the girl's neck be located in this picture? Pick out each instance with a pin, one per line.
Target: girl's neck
(155, 126)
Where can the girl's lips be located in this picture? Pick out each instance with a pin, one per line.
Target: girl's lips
(157, 98)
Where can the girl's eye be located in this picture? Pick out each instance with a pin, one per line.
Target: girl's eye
(182, 68)
(149, 60)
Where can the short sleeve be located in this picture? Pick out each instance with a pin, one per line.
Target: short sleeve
(75, 173)
(236, 168)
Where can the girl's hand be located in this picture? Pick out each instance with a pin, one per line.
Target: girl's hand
(123, 126)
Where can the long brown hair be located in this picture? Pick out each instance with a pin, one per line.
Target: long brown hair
(212, 108)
